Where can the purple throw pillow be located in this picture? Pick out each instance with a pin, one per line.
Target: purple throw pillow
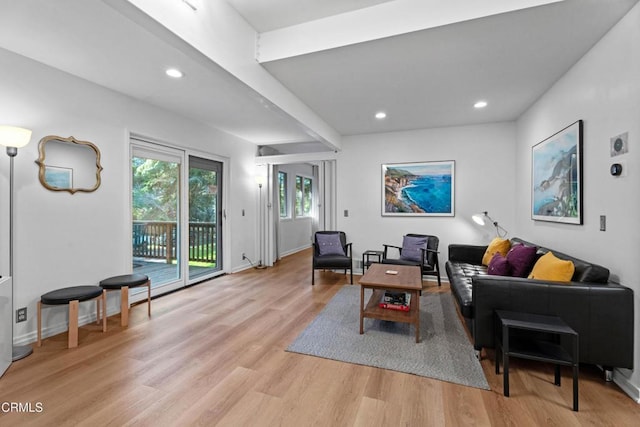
(412, 248)
(521, 258)
(499, 266)
(329, 244)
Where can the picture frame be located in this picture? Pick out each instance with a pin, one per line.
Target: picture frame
(418, 189)
(58, 177)
(556, 171)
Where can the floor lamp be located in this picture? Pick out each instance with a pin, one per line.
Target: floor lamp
(13, 138)
(483, 218)
(260, 181)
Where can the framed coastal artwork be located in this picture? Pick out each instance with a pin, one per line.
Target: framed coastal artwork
(58, 177)
(418, 189)
(556, 193)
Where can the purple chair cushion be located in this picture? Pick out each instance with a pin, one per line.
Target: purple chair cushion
(412, 248)
(329, 244)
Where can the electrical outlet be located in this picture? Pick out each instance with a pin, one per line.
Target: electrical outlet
(243, 256)
(21, 315)
(603, 223)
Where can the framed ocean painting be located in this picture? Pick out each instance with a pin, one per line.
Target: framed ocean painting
(556, 193)
(418, 189)
(59, 178)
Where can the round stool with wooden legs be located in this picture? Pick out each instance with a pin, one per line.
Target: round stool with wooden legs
(73, 296)
(123, 283)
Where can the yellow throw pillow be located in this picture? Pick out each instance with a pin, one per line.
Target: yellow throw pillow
(497, 245)
(550, 267)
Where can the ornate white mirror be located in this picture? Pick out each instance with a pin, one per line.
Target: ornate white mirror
(67, 164)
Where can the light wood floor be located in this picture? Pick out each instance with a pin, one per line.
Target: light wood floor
(213, 354)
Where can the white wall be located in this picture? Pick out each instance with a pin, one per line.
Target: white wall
(63, 240)
(603, 89)
(484, 170)
(295, 233)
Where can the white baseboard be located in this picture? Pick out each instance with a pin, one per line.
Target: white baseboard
(242, 267)
(294, 250)
(58, 328)
(623, 382)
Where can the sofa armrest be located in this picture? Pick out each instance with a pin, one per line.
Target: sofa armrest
(471, 254)
(601, 314)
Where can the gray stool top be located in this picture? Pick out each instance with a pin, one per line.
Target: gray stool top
(130, 280)
(66, 295)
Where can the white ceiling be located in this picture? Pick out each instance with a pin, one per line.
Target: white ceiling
(94, 41)
(422, 79)
(432, 78)
(273, 14)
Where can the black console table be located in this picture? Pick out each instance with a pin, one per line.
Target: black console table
(532, 348)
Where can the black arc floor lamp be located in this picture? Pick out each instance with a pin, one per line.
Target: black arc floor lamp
(483, 218)
(13, 138)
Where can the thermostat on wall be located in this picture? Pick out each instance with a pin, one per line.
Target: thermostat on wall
(619, 144)
(616, 169)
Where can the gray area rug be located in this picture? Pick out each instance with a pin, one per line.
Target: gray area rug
(444, 351)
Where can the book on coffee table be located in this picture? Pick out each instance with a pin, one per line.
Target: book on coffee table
(398, 307)
(396, 301)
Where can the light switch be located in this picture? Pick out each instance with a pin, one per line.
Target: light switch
(603, 223)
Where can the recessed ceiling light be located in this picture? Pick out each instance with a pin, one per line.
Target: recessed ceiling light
(174, 72)
(480, 104)
(381, 115)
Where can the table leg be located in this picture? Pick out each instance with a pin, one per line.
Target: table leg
(361, 308)
(98, 311)
(73, 323)
(575, 373)
(575, 387)
(39, 323)
(416, 296)
(124, 306)
(149, 298)
(104, 310)
(505, 359)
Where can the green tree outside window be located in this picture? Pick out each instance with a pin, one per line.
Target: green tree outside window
(304, 196)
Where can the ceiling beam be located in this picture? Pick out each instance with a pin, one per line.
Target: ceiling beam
(284, 159)
(219, 33)
(376, 22)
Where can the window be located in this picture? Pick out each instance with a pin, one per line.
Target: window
(303, 196)
(282, 191)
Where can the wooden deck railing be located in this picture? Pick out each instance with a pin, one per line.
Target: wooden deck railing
(158, 240)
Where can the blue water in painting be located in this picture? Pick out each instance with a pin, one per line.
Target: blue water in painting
(431, 192)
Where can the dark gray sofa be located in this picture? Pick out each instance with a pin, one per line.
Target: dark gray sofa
(599, 310)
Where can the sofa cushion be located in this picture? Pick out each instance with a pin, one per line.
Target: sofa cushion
(499, 266)
(521, 258)
(497, 245)
(412, 247)
(586, 272)
(549, 267)
(329, 244)
(461, 276)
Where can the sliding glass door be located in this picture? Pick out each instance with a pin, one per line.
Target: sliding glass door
(205, 217)
(177, 215)
(156, 215)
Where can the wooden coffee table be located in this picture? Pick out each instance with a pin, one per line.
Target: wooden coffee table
(408, 279)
